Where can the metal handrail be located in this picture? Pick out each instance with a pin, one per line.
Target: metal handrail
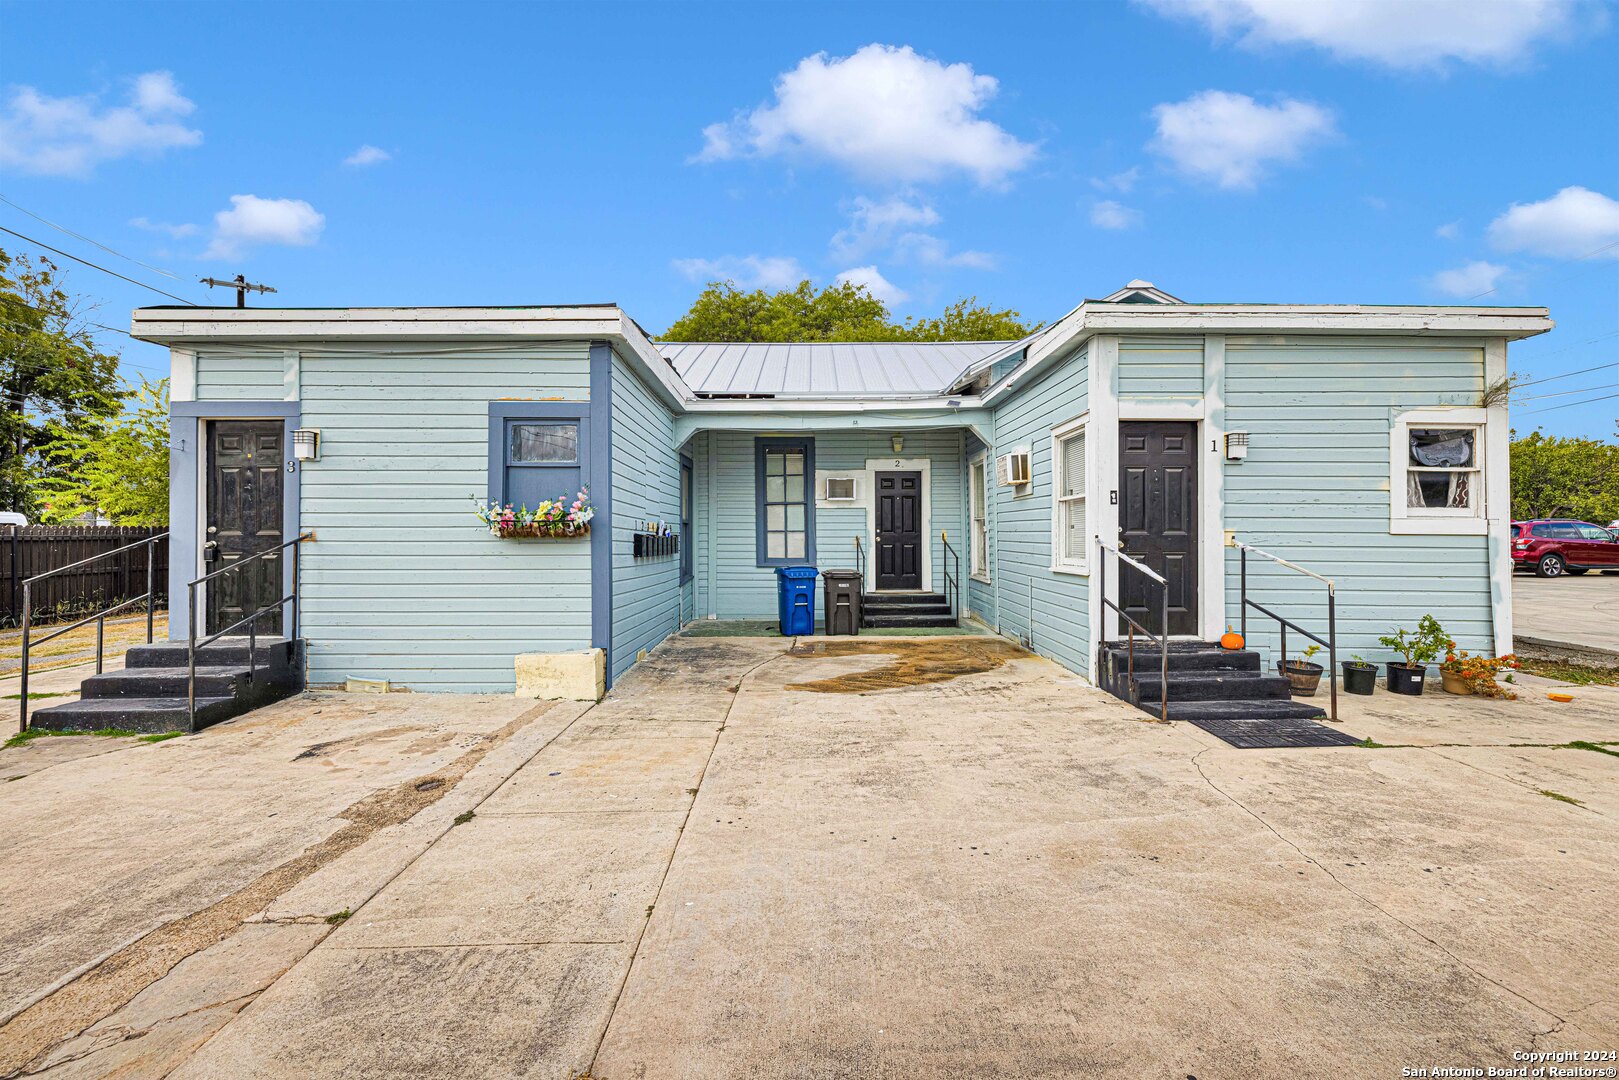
(250, 621)
(1161, 641)
(99, 618)
(1332, 617)
(952, 581)
(860, 560)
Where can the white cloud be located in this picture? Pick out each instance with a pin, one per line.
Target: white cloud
(885, 112)
(70, 136)
(253, 221)
(875, 283)
(1232, 139)
(772, 272)
(1572, 224)
(1108, 214)
(367, 155)
(1469, 281)
(1449, 231)
(179, 232)
(1119, 181)
(1398, 33)
(898, 226)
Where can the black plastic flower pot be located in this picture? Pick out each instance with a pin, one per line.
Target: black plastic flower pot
(1406, 680)
(1359, 678)
(1303, 675)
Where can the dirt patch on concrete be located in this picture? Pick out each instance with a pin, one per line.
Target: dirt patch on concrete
(915, 663)
(115, 981)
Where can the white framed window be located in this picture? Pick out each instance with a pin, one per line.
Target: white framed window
(1436, 472)
(1070, 530)
(978, 511)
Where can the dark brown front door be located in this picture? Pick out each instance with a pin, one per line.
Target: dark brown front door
(245, 463)
(899, 530)
(1158, 520)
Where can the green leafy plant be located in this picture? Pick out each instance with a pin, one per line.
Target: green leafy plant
(1422, 647)
(1304, 657)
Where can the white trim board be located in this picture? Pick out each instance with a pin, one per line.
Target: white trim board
(896, 464)
(1404, 523)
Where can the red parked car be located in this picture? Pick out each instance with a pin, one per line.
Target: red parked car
(1552, 548)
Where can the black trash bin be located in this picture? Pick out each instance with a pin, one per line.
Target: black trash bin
(841, 601)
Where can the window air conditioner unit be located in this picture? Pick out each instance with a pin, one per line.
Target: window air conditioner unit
(839, 489)
(1012, 470)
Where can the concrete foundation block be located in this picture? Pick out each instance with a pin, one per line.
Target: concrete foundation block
(571, 676)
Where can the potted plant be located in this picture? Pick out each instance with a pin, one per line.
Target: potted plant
(1304, 675)
(1419, 650)
(1462, 673)
(1360, 676)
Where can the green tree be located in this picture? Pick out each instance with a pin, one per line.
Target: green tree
(52, 376)
(119, 467)
(1565, 477)
(846, 312)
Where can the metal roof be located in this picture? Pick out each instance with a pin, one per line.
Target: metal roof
(824, 368)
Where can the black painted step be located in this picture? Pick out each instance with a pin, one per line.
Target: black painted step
(897, 600)
(1266, 709)
(913, 620)
(229, 650)
(154, 682)
(1211, 686)
(145, 715)
(1186, 657)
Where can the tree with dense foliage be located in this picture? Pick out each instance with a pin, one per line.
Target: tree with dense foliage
(843, 312)
(118, 468)
(1568, 478)
(52, 377)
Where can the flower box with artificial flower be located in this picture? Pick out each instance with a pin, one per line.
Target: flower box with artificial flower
(554, 519)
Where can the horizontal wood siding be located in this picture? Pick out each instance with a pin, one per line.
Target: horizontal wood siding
(1161, 368)
(1315, 489)
(1032, 602)
(241, 374)
(744, 590)
(402, 582)
(646, 486)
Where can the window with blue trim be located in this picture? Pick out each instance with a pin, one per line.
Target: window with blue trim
(537, 451)
(784, 472)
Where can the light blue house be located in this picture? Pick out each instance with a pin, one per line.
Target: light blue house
(981, 479)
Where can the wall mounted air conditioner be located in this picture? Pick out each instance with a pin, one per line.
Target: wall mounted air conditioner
(1012, 470)
(839, 489)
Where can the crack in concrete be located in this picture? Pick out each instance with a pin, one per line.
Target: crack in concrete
(1368, 901)
(76, 1006)
(1498, 776)
(657, 894)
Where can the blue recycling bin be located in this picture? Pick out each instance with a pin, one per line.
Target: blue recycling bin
(795, 596)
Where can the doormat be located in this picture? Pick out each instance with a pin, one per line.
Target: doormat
(1274, 734)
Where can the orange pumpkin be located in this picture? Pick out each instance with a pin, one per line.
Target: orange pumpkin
(1231, 640)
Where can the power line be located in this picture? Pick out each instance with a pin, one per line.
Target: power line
(1583, 371)
(1581, 258)
(1566, 393)
(94, 266)
(1571, 404)
(80, 236)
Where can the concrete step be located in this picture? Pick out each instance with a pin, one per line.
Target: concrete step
(909, 620)
(1262, 709)
(154, 682)
(225, 651)
(1212, 686)
(145, 715)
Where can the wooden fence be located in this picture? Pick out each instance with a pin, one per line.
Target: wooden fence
(28, 550)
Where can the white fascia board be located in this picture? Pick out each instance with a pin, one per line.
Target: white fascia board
(184, 326)
(831, 405)
(1065, 336)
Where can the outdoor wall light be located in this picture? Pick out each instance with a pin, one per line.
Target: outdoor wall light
(898, 442)
(1236, 445)
(306, 444)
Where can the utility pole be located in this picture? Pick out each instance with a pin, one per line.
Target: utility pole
(241, 285)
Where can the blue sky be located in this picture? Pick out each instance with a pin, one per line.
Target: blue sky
(1031, 155)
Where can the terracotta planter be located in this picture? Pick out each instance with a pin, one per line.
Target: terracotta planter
(1454, 684)
(540, 532)
(1359, 678)
(1406, 680)
(1303, 675)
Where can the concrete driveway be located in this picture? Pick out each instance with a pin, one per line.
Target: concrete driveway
(1574, 615)
(926, 859)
